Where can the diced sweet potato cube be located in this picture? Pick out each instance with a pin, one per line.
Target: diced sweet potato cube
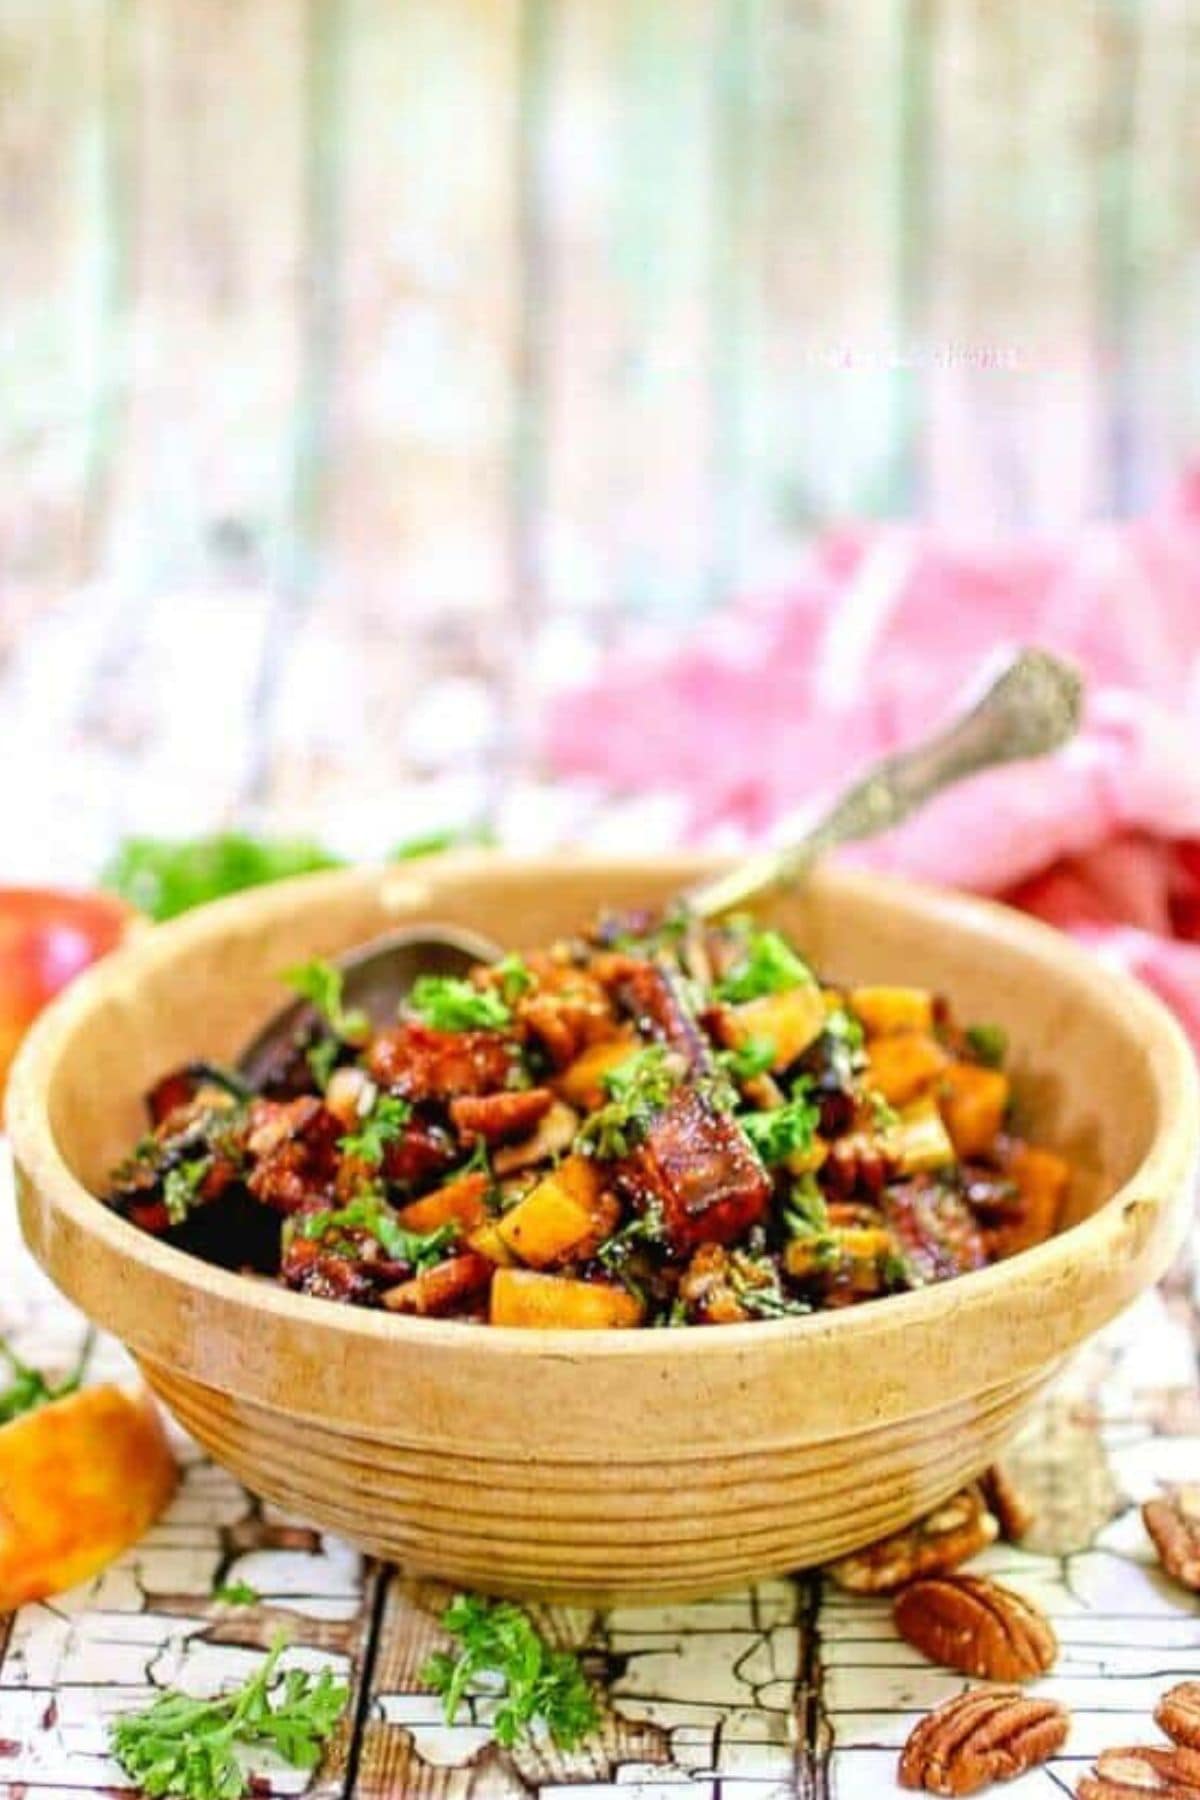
(443, 1288)
(918, 1140)
(459, 1203)
(790, 1021)
(903, 1067)
(564, 1216)
(1042, 1180)
(80, 1480)
(887, 1011)
(582, 1082)
(806, 1256)
(485, 1240)
(527, 1298)
(974, 1101)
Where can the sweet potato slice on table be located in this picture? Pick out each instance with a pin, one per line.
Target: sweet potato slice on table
(80, 1480)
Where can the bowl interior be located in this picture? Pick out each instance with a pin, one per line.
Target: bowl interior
(1079, 1047)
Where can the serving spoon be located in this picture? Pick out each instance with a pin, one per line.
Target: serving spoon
(1031, 708)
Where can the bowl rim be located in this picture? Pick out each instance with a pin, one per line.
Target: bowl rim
(1161, 1179)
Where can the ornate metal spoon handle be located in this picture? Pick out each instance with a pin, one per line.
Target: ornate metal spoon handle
(1031, 709)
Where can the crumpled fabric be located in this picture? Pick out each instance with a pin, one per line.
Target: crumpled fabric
(780, 700)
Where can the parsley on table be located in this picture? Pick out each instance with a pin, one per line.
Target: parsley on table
(988, 1044)
(448, 1003)
(786, 1130)
(498, 1639)
(236, 1593)
(767, 965)
(382, 1126)
(29, 1389)
(187, 1747)
(637, 1088)
(372, 1214)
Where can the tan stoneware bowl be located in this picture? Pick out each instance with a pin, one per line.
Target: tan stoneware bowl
(606, 1464)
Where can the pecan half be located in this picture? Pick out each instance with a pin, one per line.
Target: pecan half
(1151, 1769)
(976, 1626)
(1173, 1522)
(1012, 1507)
(961, 1527)
(985, 1735)
(1178, 1714)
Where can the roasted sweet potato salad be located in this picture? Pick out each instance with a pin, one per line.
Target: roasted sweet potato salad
(661, 1123)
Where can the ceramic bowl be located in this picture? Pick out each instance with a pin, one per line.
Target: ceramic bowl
(600, 1465)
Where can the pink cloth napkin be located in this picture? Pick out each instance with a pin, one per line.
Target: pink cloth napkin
(776, 701)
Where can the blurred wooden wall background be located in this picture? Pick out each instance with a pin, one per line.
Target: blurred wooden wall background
(458, 314)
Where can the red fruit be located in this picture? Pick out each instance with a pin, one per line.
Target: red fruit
(46, 939)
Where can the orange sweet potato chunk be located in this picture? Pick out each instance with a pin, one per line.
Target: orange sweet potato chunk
(80, 1480)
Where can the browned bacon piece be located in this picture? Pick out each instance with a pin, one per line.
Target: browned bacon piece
(498, 1118)
(309, 1269)
(422, 1063)
(935, 1232)
(421, 1154)
(698, 1168)
(442, 1288)
(652, 995)
(292, 1147)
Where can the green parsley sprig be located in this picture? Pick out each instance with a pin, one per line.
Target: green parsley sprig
(29, 1388)
(187, 1747)
(382, 1126)
(498, 1641)
(767, 965)
(786, 1130)
(988, 1044)
(371, 1213)
(181, 1187)
(321, 984)
(638, 1088)
(448, 1003)
(748, 1060)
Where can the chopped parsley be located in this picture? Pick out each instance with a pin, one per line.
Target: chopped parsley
(748, 1060)
(645, 1228)
(988, 1044)
(767, 965)
(497, 1640)
(884, 1116)
(804, 1211)
(638, 1088)
(181, 1187)
(189, 1747)
(448, 1003)
(382, 1126)
(787, 1130)
(756, 1286)
(236, 1593)
(28, 1389)
(372, 1214)
(321, 984)
(515, 977)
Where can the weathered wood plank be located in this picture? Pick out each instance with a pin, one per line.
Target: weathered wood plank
(205, 479)
(60, 249)
(1159, 321)
(1015, 329)
(630, 233)
(813, 417)
(417, 490)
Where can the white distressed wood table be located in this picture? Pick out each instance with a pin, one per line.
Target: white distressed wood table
(789, 1688)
